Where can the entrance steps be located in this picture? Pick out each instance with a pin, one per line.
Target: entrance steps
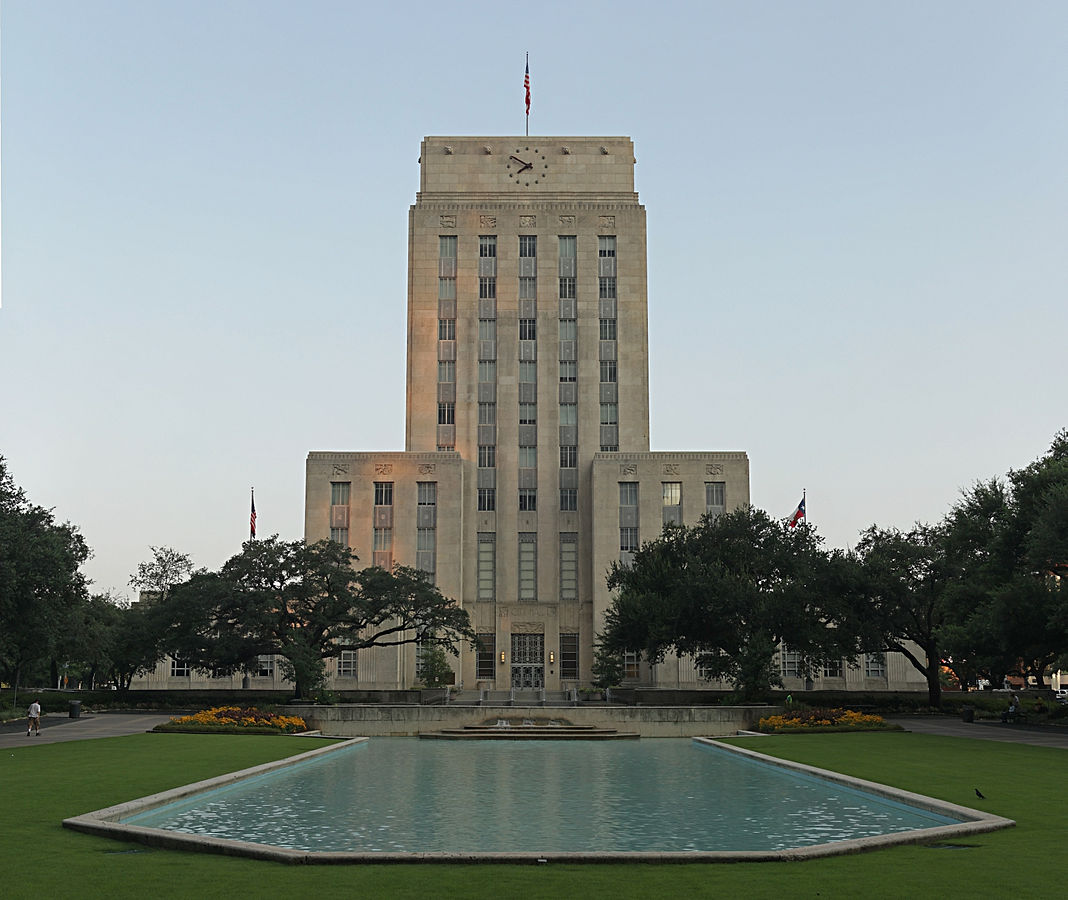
(529, 729)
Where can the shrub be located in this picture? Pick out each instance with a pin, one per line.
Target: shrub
(236, 719)
(821, 720)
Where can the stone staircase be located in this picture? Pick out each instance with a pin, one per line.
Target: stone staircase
(529, 729)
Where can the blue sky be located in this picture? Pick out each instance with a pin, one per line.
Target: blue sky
(857, 233)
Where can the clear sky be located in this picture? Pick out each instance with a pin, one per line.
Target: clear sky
(858, 243)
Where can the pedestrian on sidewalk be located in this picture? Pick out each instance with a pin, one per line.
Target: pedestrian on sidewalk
(33, 716)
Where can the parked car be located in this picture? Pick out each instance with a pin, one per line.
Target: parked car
(1061, 696)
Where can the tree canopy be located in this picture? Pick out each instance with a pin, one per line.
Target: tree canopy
(727, 592)
(304, 603)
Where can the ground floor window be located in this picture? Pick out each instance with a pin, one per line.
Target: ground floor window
(346, 664)
(569, 657)
(487, 649)
(179, 669)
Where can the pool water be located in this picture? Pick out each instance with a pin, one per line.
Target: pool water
(407, 795)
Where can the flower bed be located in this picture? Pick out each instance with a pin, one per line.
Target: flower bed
(809, 720)
(235, 720)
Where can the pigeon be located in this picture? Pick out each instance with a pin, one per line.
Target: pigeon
(979, 794)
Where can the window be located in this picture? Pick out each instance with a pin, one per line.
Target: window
(568, 499)
(487, 287)
(487, 566)
(568, 456)
(569, 414)
(339, 493)
(487, 456)
(875, 665)
(568, 370)
(487, 329)
(528, 499)
(790, 663)
(568, 566)
(608, 371)
(715, 497)
(446, 371)
(609, 414)
(528, 457)
(265, 667)
(446, 288)
(609, 448)
(628, 493)
(487, 245)
(631, 664)
(607, 287)
(383, 493)
(528, 245)
(671, 492)
(606, 246)
(340, 536)
(179, 669)
(487, 498)
(608, 329)
(487, 414)
(528, 287)
(528, 413)
(528, 372)
(832, 669)
(567, 287)
(425, 549)
(446, 329)
(383, 540)
(346, 664)
(447, 246)
(568, 329)
(528, 566)
(487, 650)
(567, 246)
(447, 413)
(569, 657)
(446, 448)
(487, 371)
(528, 330)
(427, 493)
(628, 539)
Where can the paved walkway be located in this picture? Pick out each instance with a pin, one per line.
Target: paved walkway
(1038, 735)
(56, 728)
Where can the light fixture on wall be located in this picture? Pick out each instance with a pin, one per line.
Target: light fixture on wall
(502, 657)
(552, 657)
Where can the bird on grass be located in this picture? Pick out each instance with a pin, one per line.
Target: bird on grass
(979, 794)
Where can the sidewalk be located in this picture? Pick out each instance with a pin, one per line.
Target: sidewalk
(1037, 735)
(56, 728)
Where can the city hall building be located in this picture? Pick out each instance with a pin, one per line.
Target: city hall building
(526, 470)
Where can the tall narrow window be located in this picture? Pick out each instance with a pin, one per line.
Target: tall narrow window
(446, 371)
(608, 329)
(607, 287)
(528, 287)
(487, 329)
(528, 329)
(485, 669)
(568, 499)
(606, 246)
(487, 565)
(528, 457)
(487, 246)
(487, 287)
(487, 371)
(567, 287)
(339, 493)
(340, 536)
(569, 656)
(528, 413)
(609, 414)
(568, 370)
(567, 246)
(487, 414)
(427, 493)
(528, 499)
(487, 499)
(568, 330)
(569, 414)
(671, 492)
(383, 493)
(568, 566)
(528, 372)
(347, 665)
(528, 566)
(608, 371)
(447, 413)
(446, 329)
(528, 245)
(715, 498)
(487, 456)
(628, 493)
(568, 456)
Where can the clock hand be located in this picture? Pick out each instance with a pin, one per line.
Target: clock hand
(518, 160)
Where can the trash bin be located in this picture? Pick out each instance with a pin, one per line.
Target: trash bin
(75, 709)
(967, 714)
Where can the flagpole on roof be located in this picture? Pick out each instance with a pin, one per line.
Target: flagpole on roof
(526, 87)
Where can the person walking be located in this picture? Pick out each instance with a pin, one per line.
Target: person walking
(33, 715)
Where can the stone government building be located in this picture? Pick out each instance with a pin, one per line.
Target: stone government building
(526, 469)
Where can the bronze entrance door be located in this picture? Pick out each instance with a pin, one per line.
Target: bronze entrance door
(528, 661)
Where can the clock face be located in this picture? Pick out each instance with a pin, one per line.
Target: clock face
(526, 166)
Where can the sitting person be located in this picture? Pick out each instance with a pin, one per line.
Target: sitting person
(1013, 711)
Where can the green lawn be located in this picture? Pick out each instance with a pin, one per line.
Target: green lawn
(44, 784)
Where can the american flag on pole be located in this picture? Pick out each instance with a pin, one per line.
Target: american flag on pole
(526, 84)
(252, 518)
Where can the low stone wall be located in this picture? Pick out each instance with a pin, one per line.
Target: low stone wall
(356, 720)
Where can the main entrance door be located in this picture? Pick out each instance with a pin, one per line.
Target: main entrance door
(528, 661)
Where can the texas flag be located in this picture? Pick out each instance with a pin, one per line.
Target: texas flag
(798, 514)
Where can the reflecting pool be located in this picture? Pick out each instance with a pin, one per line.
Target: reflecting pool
(407, 795)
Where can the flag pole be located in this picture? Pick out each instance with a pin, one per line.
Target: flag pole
(252, 518)
(526, 87)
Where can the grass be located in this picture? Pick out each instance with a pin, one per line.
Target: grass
(46, 783)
